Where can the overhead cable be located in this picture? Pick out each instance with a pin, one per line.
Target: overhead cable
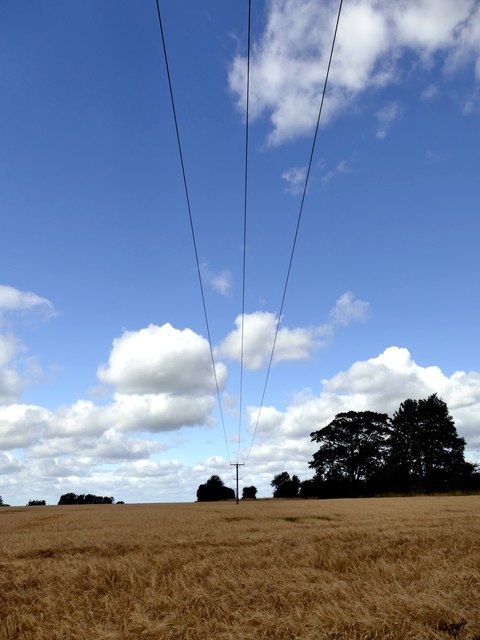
(297, 228)
(245, 194)
(192, 228)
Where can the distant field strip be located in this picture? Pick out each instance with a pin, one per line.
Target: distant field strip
(398, 568)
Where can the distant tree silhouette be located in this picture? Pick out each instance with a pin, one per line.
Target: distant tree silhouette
(36, 503)
(249, 493)
(1, 501)
(285, 486)
(352, 452)
(213, 490)
(73, 498)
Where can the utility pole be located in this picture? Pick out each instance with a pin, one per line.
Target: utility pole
(237, 464)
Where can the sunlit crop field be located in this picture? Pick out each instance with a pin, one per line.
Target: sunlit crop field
(381, 568)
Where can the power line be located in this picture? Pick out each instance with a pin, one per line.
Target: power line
(297, 227)
(245, 193)
(192, 228)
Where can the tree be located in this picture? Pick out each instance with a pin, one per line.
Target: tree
(214, 489)
(284, 486)
(249, 493)
(36, 503)
(73, 498)
(426, 453)
(352, 450)
(1, 501)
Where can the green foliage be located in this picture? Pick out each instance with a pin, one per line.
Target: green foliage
(36, 503)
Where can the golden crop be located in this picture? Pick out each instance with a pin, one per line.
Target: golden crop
(380, 568)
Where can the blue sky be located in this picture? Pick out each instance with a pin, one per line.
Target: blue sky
(105, 375)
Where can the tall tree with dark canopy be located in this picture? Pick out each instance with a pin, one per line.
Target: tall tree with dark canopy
(352, 450)
(426, 453)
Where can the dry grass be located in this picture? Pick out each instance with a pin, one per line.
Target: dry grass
(342, 569)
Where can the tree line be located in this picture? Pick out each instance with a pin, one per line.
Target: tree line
(364, 453)
(73, 498)
(214, 489)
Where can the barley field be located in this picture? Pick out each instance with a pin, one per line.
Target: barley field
(340, 569)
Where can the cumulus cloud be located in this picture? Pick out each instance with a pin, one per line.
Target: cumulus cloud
(126, 466)
(259, 332)
(289, 59)
(378, 384)
(8, 464)
(291, 344)
(161, 360)
(163, 381)
(24, 425)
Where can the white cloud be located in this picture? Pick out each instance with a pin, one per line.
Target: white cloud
(342, 167)
(14, 300)
(110, 446)
(163, 379)
(289, 59)
(470, 107)
(348, 310)
(431, 24)
(21, 425)
(291, 344)
(385, 118)
(162, 382)
(377, 384)
(17, 371)
(11, 382)
(259, 332)
(429, 92)
(8, 464)
(220, 281)
(295, 179)
(161, 360)
(115, 463)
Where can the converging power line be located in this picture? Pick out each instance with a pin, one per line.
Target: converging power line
(192, 228)
(295, 237)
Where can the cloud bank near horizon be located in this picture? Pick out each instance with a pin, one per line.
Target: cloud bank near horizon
(162, 384)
